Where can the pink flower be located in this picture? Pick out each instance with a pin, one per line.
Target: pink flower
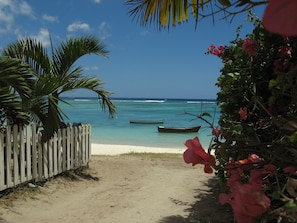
(216, 132)
(281, 66)
(291, 170)
(248, 201)
(195, 154)
(285, 51)
(239, 166)
(269, 169)
(250, 46)
(243, 113)
(280, 17)
(254, 158)
(259, 176)
(256, 178)
(217, 51)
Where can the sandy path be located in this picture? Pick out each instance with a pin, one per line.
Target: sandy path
(130, 189)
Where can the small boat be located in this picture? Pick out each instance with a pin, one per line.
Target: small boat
(178, 129)
(146, 121)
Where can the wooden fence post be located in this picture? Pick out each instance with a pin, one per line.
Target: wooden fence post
(40, 158)
(34, 150)
(28, 153)
(15, 155)
(2, 166)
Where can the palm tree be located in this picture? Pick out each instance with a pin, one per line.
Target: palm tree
(15, 91)
(166, 12)
(56, 73)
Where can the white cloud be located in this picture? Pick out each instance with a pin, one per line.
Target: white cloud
(17, 7)
(43, 37)
(6, 16)
(78, 26)
(25, 8)
(97, 1)
(104, 34)
(7, 21)
(9, 9)
(50, 18)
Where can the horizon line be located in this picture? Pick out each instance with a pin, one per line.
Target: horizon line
(139, 98)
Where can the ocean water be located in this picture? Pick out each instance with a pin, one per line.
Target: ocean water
(120, 131)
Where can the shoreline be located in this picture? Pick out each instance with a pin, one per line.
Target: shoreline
(111, 149)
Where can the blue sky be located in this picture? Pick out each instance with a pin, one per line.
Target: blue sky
(143, 62)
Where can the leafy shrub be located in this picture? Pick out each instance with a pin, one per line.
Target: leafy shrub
(256, 148)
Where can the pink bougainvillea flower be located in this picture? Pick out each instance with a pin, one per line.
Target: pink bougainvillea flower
(285, 51)
(247, 201)
(243, 113)
(291, 170)
(250, 46)
(225, 198)
(269, 169)
(254, 158)
(216, 132)
(260, 123)
(281, 66)
(280, 17)
(256, 178)
(217, 51)
(240, 166)
(195, 154)
(260, 176)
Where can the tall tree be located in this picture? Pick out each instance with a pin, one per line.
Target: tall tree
(56, 73)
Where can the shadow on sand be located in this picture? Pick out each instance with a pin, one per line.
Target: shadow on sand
(206, 209)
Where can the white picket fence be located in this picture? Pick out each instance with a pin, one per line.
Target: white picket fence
(24, 158)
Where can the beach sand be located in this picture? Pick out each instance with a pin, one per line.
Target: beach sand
(105, 149)
(135, 188)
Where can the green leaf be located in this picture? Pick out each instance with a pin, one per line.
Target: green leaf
(231, 74)
(272, 83)
(206, 114)
(290, 204)
(293, 137)
(225, 2)
(236, 129)
(276, 195)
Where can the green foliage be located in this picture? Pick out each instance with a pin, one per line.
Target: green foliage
(258, 101)
(225, 2)
(164, 13)
(15, 91)
(52, 73)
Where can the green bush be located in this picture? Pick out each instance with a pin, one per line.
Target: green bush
(256, 148)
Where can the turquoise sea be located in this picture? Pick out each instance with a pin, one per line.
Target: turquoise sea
(119, 130)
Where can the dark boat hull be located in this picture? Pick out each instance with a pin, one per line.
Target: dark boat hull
(178, 130)
(146, 121)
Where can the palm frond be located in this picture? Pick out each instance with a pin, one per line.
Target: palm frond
(74, 48)
(11, 109)
(32, 52)
(48, 84)
(164, 12)
(92, 84)
(15, 74)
